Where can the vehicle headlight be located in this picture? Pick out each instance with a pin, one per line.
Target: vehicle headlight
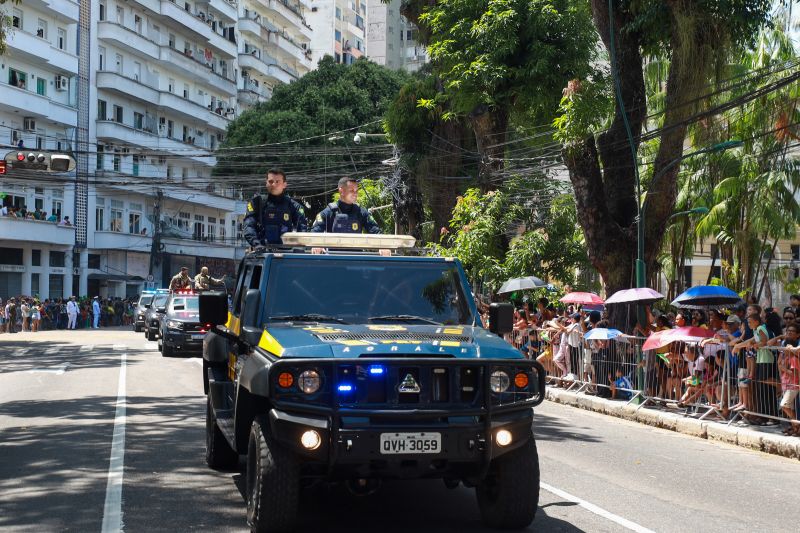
(309, 381)
(499, 381)
(141, 316)
(174, 324)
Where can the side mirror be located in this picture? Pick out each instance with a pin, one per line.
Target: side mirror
(213, 307)
(147, 306)
(250, 309)
(501, 318)
(251, 335)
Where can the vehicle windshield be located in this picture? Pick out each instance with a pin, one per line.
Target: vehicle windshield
(160, 300)
(366, 292)
(186, 303)
(146, 299)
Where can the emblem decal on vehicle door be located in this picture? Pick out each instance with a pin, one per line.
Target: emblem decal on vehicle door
(409, 385)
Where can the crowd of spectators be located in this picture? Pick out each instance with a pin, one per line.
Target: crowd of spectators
(748, 367)
(29, 313)
(24, 213)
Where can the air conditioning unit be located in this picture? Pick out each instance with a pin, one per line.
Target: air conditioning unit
(29, 124)
(62, 83)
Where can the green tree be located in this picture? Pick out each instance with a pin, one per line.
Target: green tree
(296, 129)
(5, 23)
(501, 58)
(695, 36)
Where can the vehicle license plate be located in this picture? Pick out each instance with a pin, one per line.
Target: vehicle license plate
(398, 443)
(198, 337)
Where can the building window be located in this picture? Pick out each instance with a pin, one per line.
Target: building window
(102, 11)
(102, 58)
(41, 29)
(138, 120)
(199, 228)
(16, 19)
(61, 40)
(186, 90)
(212, 228)
(116, 215)
(172, 40)
(337, 35)
(118, 63)
(137, 24)
(338, 58)
(56, 210)
(135, 165)
(171, 86)
(57, 259)
(35, 283)
(94, 261)
(41, 87)
(183, 220)
(118, 113)
(17, 78)
(338, 13)
(120, 15)
(170, 128)
(134, 223)
(38, 203)
(117, 161)
(56, 285)
(99, 216)
(36, 258)
(100, 157)
(796, 258)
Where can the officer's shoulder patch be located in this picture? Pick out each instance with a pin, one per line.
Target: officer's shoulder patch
(319, 218)
(249, 207)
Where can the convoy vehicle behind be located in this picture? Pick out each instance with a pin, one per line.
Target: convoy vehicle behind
(355, 367)
(180, 329)
(152, 317)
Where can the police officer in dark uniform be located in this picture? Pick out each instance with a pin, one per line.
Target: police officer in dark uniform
(345, 216)
(270, 216)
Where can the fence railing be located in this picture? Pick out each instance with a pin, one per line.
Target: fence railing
(701, 380)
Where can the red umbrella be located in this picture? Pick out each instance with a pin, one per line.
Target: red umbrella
(583, 298)
(668, 336)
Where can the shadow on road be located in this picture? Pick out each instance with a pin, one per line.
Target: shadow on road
(22, 356)
(556, 429)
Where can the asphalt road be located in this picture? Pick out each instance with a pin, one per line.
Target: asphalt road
(59, 399)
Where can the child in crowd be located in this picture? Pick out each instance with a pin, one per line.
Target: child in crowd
(789, 367)
(619, 386)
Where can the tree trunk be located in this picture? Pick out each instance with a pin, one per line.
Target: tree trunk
(489, 126)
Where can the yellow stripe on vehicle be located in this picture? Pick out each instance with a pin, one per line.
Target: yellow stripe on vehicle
(453, 331)
(401, 341)
(233, 324)
(269, 344)
(355, 343)
(452, 344)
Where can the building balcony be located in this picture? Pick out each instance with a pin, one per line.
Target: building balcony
(193, 110)
(125, 135)
(41, 52)
(355, 30)
(127, 39)
(22, 229)
(28, 103)
(290, 14)
(116, 240)
(226, 250)
(286, 48)
(251, 94)
(225, 46)
(269, 68)
(185, 18)
(63, 10)
(197, 70)
(252, 26)
(128, 87)
(226, 9)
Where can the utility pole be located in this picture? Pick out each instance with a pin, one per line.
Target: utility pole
(155, 249)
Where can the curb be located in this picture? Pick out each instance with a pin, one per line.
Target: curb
(744, 437)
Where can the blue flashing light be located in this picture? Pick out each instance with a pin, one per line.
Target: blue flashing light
(345, 388)
(376, 370)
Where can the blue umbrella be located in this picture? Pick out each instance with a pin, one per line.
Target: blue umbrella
(602, 334)
(706, 296)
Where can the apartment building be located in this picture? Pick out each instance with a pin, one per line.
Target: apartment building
(38, 111)
(339, 29)
(391, 38)
(274, 47)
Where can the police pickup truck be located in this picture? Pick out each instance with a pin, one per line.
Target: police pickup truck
(358, 366)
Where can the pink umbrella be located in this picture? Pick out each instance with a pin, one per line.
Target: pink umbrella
(642, 295)
(668, 336)
(583, 298)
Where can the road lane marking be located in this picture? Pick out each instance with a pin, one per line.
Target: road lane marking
(592, 508)
(57, 369)
(120, 347)
(112, 510)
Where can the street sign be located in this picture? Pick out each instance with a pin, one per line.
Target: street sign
(37, 160)
(149, 285)
(150, 277)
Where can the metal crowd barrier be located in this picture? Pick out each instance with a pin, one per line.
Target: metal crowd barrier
(724, 385)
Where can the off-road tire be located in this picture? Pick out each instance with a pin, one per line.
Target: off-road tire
(219, 454)
(167, 351)
(509, 496)
(273, 484)
(150, 336)
(137, 329)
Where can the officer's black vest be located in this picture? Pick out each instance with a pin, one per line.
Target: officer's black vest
(346, 222)
(276, 218)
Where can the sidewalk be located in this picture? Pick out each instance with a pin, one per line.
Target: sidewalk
(767, 439)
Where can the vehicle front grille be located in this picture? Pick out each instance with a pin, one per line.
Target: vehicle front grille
(192, 327)
(392, 336)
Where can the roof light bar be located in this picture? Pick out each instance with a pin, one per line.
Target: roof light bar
(348, 240)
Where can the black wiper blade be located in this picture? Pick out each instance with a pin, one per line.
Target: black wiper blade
(310, 317)
(405, 318)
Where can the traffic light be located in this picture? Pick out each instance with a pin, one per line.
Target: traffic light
(37, 160)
